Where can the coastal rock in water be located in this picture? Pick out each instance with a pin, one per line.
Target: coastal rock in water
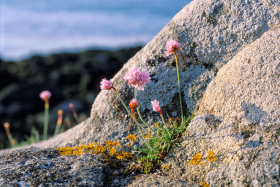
(239, 121)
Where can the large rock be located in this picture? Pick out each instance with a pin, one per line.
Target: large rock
(239, 121)
(211, 32)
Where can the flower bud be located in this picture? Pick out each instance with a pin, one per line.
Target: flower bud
(133, 104)
(45, 95)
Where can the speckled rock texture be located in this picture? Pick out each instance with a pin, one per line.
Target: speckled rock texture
(242, 132)
(239, 120)
(45, 167)
(157, 180)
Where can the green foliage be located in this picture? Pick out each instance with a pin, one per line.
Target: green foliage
(149, 159)
(33, 138)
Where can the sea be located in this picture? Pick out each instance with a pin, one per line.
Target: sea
(43, 27)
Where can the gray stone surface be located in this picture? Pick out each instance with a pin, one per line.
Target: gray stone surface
(45, 167)
(239, 121)
(244, 137)
(157, 180)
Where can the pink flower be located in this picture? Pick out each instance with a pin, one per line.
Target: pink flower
(138, 78)
(171, 47)
(45, 95)
(106, 85)
(156, 106)
(133, 104)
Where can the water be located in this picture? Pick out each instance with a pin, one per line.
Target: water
(47, 26)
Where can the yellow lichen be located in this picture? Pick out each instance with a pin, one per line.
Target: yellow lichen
(156, 124)
(147, 135)
(202, 164)
(113, 151)
(129, 145)
(204, 184)
(165, 168)
(79, 151)
(196, 159)
(131, 137)
(211, 157)
(106, 150)
(122, 155)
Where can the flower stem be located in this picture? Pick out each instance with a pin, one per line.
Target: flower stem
(133, 116)
(164, 123)
(177, 67)
(127, 108)
(143, 135)
(138, 111)
(46, 120)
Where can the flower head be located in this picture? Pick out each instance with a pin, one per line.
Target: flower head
(106, 85)
(133, 104)
(156, 106)
(45, 95)
(138, 78)
(171, 47)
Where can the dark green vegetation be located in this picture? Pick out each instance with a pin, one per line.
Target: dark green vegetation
(70, 77)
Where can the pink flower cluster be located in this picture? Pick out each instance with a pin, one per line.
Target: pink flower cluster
(171, 47)
(156, 106)
(106, 85)
(45, 95)
(138, 78)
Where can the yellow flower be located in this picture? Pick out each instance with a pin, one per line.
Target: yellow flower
(131, 137)
(147, 135)
(211, 157)
(204, 184)
(196, 159)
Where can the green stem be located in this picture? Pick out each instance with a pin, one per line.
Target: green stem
(76, 118)
(138, 125)
(46, 122)
(165, 125)
(127, 108)
(56, 129)
(138, 111)
(143, 135)
(177, 67)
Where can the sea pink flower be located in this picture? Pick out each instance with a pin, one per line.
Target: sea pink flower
(138, 78)
(133, 104)
(171, 47)
(106, 85)
(45, 95)
(156, 106)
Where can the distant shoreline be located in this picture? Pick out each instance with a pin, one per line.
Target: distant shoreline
(72, 50)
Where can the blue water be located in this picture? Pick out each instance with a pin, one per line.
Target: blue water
(47, 26)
